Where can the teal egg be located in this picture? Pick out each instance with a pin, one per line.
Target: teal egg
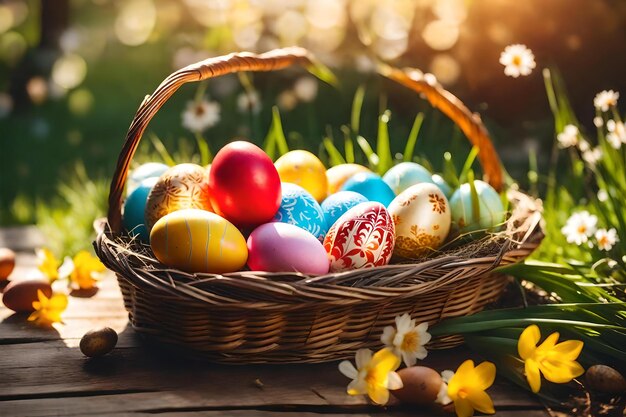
(147, 170)
(298, 207)
(134, 208)
(340, 202)
(406, 174)
(370, 186)
(491, 210)
(443, 185)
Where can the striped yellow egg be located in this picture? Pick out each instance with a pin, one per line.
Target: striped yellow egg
(194, 240)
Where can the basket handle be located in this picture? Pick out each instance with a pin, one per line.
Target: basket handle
(450, 105)
(209, 68)
(439, 98)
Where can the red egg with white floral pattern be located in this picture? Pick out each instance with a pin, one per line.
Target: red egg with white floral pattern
(363, 237)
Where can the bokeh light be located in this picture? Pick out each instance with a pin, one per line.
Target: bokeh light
(69, 71)
(37, 89)
(445, 68)
(440, 35)
(135, 22)
(80, 101)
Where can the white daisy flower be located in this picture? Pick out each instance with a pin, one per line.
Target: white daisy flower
(442, 396)
(249, 102)
(606, 239)
(603, 195)
(598, 121)
(592, 156)
(606, 99)
(517, 60)
(568, 137)
(407, 339)
(200, 115)
(617, 133)
(580, 227)
(305, 89)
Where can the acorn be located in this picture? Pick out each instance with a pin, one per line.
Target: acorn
(602, 378)
(98, 342)
(7, 263)
(420, 385)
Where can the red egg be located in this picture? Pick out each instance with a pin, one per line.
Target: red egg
(245, 186)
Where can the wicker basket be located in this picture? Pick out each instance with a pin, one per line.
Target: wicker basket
(257, 317)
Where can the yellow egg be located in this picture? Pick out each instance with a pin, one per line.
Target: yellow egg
(339, 174)
(421, 215)
(306, 170)
(182, 186)
(195, 240)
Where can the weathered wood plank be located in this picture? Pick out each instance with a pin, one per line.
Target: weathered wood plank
(195, 403)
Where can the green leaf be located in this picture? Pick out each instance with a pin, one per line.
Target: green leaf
(409, 149)
(323, 73)
(279, 134)
(161, 150)
(369, 152)
(383, 147)
(469, 161)
(348, 144)
(357, 106)
(334, 155)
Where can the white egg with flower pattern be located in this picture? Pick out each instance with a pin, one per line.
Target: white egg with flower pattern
(421, 216)
(363, 237)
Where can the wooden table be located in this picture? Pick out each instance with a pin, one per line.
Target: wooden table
(43, 373)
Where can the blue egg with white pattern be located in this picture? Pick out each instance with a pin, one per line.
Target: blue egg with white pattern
(134, 219)
(371, 186)
(298, 207)
(340, 202)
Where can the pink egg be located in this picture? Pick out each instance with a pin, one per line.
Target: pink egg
(363, 237)
(283, 247)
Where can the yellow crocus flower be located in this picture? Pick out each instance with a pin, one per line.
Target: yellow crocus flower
(374, 375)
(48, 264)
(467, 388)
(87, 270)
(557, 362)
(48, 310)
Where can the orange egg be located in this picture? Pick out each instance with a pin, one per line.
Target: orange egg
(339, 174)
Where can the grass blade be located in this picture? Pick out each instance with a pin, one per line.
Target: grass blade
(383, 147)
(334, 155)
(279, 134)
(368, 151)
(161, 150)
(357, 106)
(469, 161)
(348, 144)
(409, 149)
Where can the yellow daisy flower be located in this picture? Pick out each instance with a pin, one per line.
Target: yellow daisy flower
(87, 270)
(48, 264)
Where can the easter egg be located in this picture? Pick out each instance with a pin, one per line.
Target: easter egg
(406, 174)
(304, 169)
(195, 240)
(7, 262)
(283, 247)
(245, 186)
(339, 174)
(19, 295)
(98, 342)
(134, 219)
(490, 208)
(337, 204)
(443, 185)
(421, 217)
(142, 172)
(420, 385)
(370, 186)
(181, 187)
(363, 237)
(299, 208)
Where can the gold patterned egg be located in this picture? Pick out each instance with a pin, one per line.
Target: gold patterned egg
(195, 240)
(181, 187)
(421, 215)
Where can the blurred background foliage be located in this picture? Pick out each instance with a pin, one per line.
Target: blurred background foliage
(72, 73)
